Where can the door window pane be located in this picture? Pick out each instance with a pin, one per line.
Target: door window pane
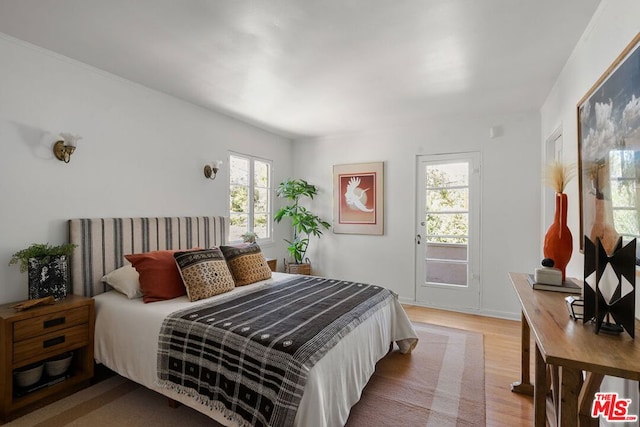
(446, 273)
(446, 200)
(448, 175)
(446, 223)
(457, 252)
(442, 227)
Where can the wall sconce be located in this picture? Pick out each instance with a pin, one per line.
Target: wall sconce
(64, 148)
(210, 171)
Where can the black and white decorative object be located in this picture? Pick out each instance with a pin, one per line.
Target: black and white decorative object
(49, 276)
(610, 286)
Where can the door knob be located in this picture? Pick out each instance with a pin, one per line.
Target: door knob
(418, 238)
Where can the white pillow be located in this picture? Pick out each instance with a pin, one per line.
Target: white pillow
(125, 280)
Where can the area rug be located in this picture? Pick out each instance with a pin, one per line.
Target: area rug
(440, 384)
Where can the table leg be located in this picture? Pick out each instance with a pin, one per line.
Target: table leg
(524, 386)
(585, 402)
(571, 380)
(540, 392)
(553, 381)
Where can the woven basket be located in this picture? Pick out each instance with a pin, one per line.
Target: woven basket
(304, 268)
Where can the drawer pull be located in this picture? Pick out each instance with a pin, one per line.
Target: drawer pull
(54, 322)
(53, 341)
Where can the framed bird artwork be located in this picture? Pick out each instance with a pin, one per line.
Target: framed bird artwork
(358, 198)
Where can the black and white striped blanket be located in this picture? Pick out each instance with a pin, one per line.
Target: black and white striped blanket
(249, 356)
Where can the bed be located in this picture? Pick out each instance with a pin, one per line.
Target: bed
(128, 330)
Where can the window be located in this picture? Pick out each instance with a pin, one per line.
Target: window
(249, 197)
(447, 214)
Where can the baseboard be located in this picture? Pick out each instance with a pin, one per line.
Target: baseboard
(481, 312)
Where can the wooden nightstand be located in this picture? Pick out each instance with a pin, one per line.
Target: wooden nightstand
(273, 263)
(40, 333)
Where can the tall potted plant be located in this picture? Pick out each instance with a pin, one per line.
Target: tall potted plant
(304, 222)
(47, 267)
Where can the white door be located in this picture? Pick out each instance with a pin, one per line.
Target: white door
(448, 231)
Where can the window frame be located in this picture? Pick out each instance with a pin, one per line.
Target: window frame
(251, 186)
(469, 215)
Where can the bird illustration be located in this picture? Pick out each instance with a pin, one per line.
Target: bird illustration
(355, 196)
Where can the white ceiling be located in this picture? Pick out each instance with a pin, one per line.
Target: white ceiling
(314, 67)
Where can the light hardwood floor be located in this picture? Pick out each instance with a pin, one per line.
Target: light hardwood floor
(501, 359)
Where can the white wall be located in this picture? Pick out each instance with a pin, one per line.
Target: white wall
(142, 153)
(510, 201)
(612, 27)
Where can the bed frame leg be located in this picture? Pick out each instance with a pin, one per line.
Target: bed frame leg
(173, 403)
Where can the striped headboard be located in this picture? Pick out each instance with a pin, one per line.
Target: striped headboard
(103, 242)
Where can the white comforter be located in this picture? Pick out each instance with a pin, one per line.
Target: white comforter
(126, 341)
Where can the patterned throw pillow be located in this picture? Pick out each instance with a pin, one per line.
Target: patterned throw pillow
(247, 263)
(205, 273)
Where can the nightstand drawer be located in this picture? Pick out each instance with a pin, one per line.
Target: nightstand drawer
(35, 326)
(54, 343)
(31, 337)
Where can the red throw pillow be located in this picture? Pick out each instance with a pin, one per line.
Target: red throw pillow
(159, 276)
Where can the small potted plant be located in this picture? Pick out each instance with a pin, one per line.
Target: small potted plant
(304, 222)
(47, 268)
(249, 237)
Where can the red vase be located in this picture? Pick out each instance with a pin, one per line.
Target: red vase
(558, 242)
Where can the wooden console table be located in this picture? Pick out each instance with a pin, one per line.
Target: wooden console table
(568, 348)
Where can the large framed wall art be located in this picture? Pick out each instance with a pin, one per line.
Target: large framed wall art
(358, 205)
(609, 152)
